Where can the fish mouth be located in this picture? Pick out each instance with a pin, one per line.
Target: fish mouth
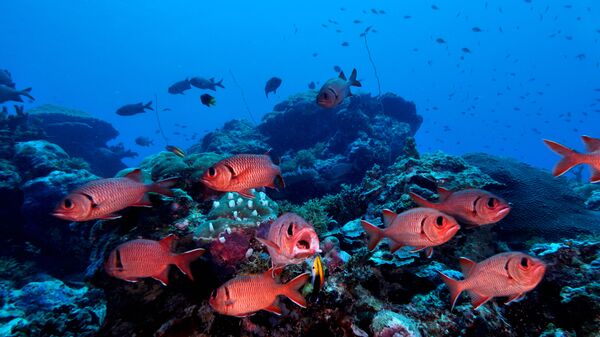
(61, 215)
(502, 213)
(306, 245)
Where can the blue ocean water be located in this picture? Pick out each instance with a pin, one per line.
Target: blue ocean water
(489, 77)
(540, 57)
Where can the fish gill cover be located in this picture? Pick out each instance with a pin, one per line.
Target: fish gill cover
(300, 169)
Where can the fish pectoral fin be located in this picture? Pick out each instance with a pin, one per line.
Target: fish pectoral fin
(395, 246)
(132, 279)
(246, 194)
(230, 303)
(417, 249)
(274, 308)
(144, 202)
(515, 298)
(270, 243)
(477, 299)
(163, 277)
(429, 252)
(111, 216)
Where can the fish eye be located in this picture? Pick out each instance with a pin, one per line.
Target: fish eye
(525, 262)
(68, 203)
(211, 171)
(492, 202)
(439, 221)
(290, 229)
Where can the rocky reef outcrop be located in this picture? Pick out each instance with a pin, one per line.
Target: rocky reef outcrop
(320, 149)
(83, 136)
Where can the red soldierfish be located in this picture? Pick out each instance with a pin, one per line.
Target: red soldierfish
(572, 158)
(470, 206)
(100, 199)
(141, 258)
(290, 240)
(509, 274)
(421, 228)
(334, 91)
(245, 295)
(243, 172)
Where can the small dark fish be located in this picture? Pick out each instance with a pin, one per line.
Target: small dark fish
(357, 21)
(202, 83)
(176, 150)
(440, 40)
(134, 109)
(434, 7)
(315, 54)
(6, 78)
(345, 44)
(144, 141)
(476, 29)
(166, 109)
(407, 16)
(337, 69)
(312, 86)
(208, 100)
(272, 85)
(374, 11)
(11, 94)
(466, 50)
(178, 88)
(381, 11)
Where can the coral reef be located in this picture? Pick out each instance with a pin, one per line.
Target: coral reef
(236, 136)
(83, 136)
(50, 308)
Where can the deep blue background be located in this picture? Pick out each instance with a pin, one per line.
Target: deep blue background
(99, 55)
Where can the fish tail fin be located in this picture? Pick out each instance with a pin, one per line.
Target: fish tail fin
(455, 287)
(375, 234)
(163, 187)
(570, 157)
(148, 106)
(292, 289)
(183, 260)
(419, 200)
(353, 81)
(279, 181)
(26, 92)
(220, 84)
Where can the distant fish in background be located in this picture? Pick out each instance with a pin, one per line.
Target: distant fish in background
(176, 150)
(290, 240)
(208, 100)
(141, 258)
(312, 85)
(144, 141)
(11, 94)
(272, 85)
(241, 173)
(202, 83)
(134, 109)
(420, 228)
(476, 29)
(509, 274)
(6, 78)
(334, 91)
(337, 69)
(573, 158)
(100, 199)
(178, 88)
(345, 44)
(470, 206)
(245, 295)
(466, 50)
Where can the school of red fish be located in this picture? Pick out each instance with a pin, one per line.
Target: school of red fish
(292, 240)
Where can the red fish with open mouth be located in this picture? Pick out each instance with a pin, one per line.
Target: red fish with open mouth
(290, 240)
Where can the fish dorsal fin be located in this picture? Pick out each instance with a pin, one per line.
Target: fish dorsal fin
(273, 272)
(591, 144)
(467, 266)
(135, 175)
(443, 193)
(342, 75)
(388, 217)
(167, 241)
